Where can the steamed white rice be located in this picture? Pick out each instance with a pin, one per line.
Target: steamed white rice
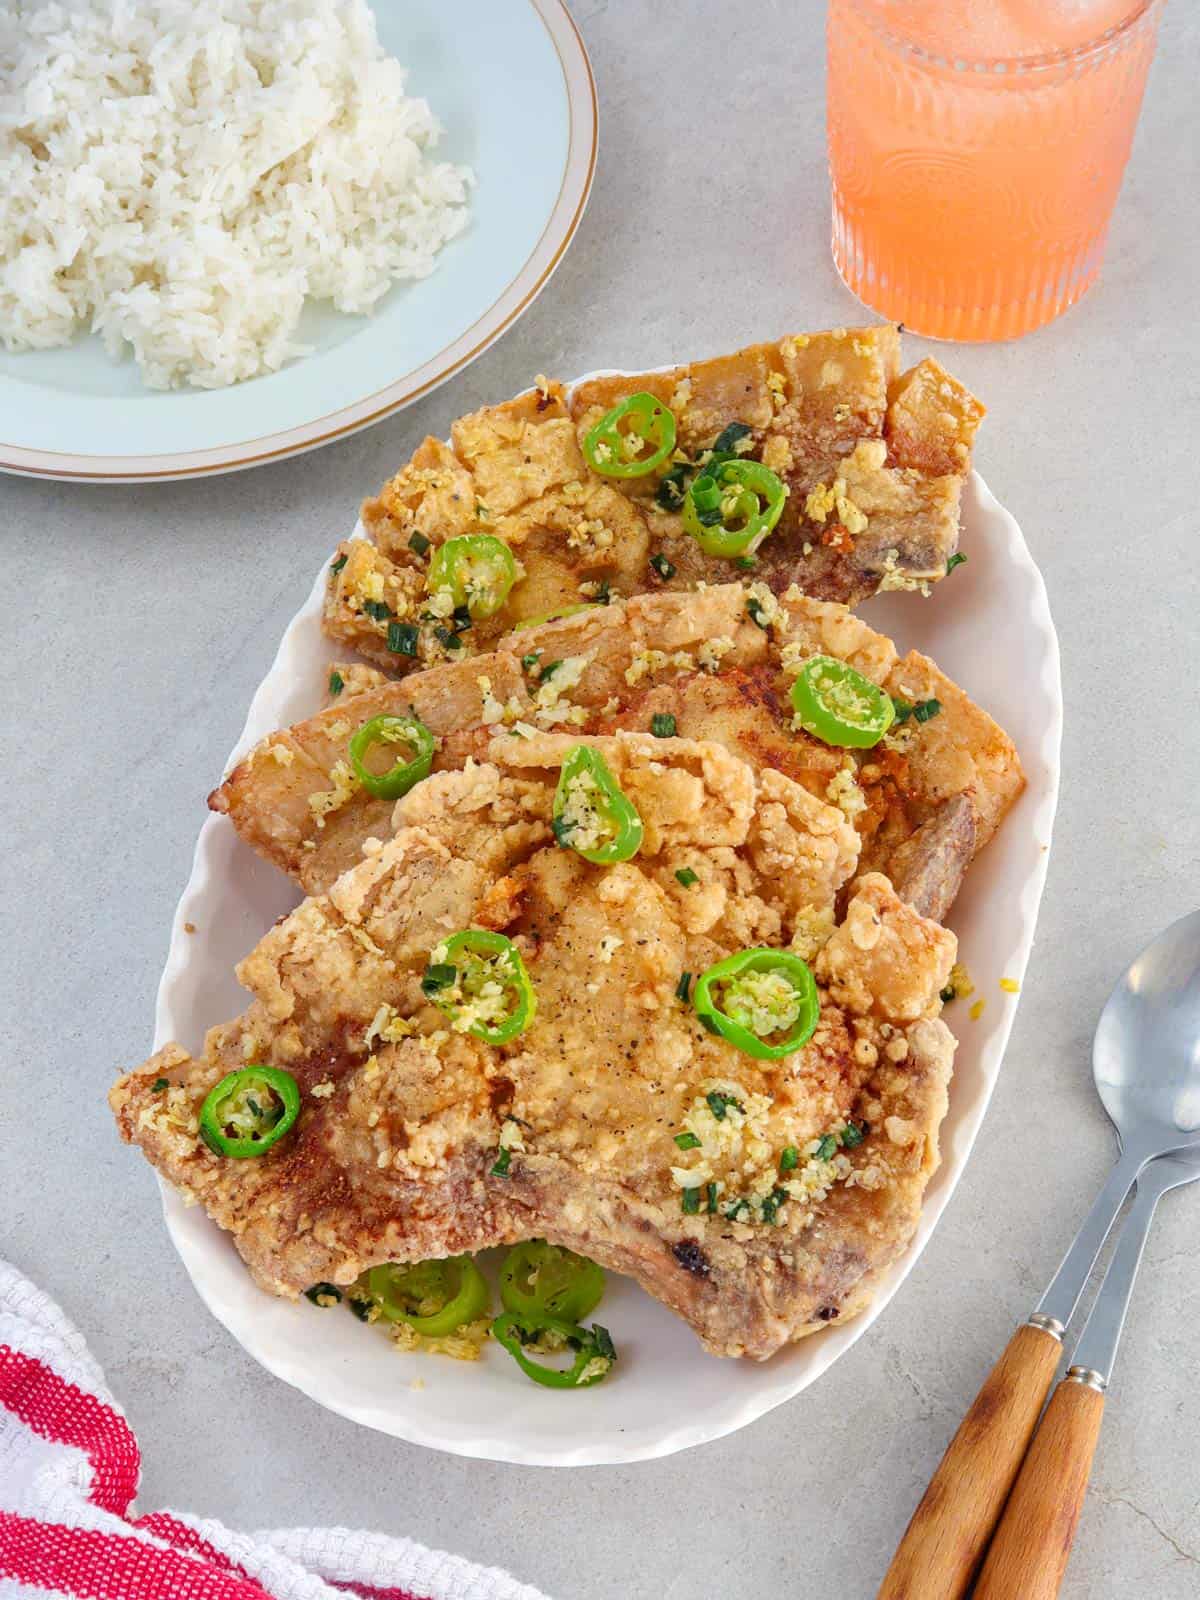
(181, 174)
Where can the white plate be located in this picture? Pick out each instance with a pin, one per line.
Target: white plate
(511, 84)
(989, 627)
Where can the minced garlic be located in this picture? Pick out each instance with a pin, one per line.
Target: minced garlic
(345, 785)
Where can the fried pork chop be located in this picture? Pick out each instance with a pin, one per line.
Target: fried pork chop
(924, 802)
(874, 464)
(402, 1116)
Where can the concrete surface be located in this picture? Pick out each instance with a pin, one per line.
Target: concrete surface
(139, 620)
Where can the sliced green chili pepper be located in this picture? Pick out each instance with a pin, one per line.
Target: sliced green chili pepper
(731, 507)
(553, 616)
(592, 814)
(478, 569)
(249, 1111)
(478, 979)
(837, 705)
(616, 452)
(754, 996)
(434, 1297)
(398, 780)
(594, 1351)
(539, 1279)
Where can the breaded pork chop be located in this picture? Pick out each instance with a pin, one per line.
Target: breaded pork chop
(395, 1154)
(873, 463)
(924, 802)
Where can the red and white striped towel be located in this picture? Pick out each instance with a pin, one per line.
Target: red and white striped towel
(69, 1467)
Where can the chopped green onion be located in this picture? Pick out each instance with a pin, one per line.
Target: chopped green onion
(772, 1203)
(461, 618)
(826, 1149)
(710, 1190)
(755, 610)
(789, 1160)
(747, 564)
(502, 1163)
(683, 987)
(663, 725)
(853, 1134)
(719, 1103)
(336, 683)
(687, 1141)
(687, 877)
(673, 489)
(402, 638)
(730, 437)
(691, 1201)
(948, 993)
(378, 609)
(563, 828)
(159, 1085)
(364, 1310)
(324, 1294)
(448, 640)
(956, 560)
(531, 660)
(735, 1208)
(923, 710)
(418, 544)
(439, 976)
(549, 670)
(662, 566)
(336, 566)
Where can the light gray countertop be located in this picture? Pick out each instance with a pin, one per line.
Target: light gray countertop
(140, 620)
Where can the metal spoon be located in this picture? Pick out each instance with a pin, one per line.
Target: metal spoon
(1146, 1063)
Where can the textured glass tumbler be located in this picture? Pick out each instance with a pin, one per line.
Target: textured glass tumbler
(972, 192)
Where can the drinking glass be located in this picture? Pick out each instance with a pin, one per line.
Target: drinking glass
(976, 149)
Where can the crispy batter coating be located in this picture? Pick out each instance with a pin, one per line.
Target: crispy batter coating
(873, 461)
(402, 1115)
(697, 657)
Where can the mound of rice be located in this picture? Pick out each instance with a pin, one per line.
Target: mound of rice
(181, 176)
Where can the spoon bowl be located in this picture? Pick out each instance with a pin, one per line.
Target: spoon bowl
(1146, 1054)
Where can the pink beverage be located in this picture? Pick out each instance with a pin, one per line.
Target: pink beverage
(976, 148)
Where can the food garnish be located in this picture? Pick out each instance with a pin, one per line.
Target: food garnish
(838, 705)
(479, 980)
(592, 814)
(399, 779)
(249, 1111)
(753, 997)
(615, 446)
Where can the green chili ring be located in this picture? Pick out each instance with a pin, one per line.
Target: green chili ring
(731, 507)
(399, 779)
(616, 809)
(839, 706)
(590, 1345)
(457, 1282)
(233, 1103)
(604, 444)
(447, 974)
(797, 972)
(539, 1279)
(478, 569)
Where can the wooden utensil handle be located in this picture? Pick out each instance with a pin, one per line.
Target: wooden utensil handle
(1032, 1545)
(950, 1528)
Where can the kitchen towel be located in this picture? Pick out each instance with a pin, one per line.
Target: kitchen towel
(69, 1467)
